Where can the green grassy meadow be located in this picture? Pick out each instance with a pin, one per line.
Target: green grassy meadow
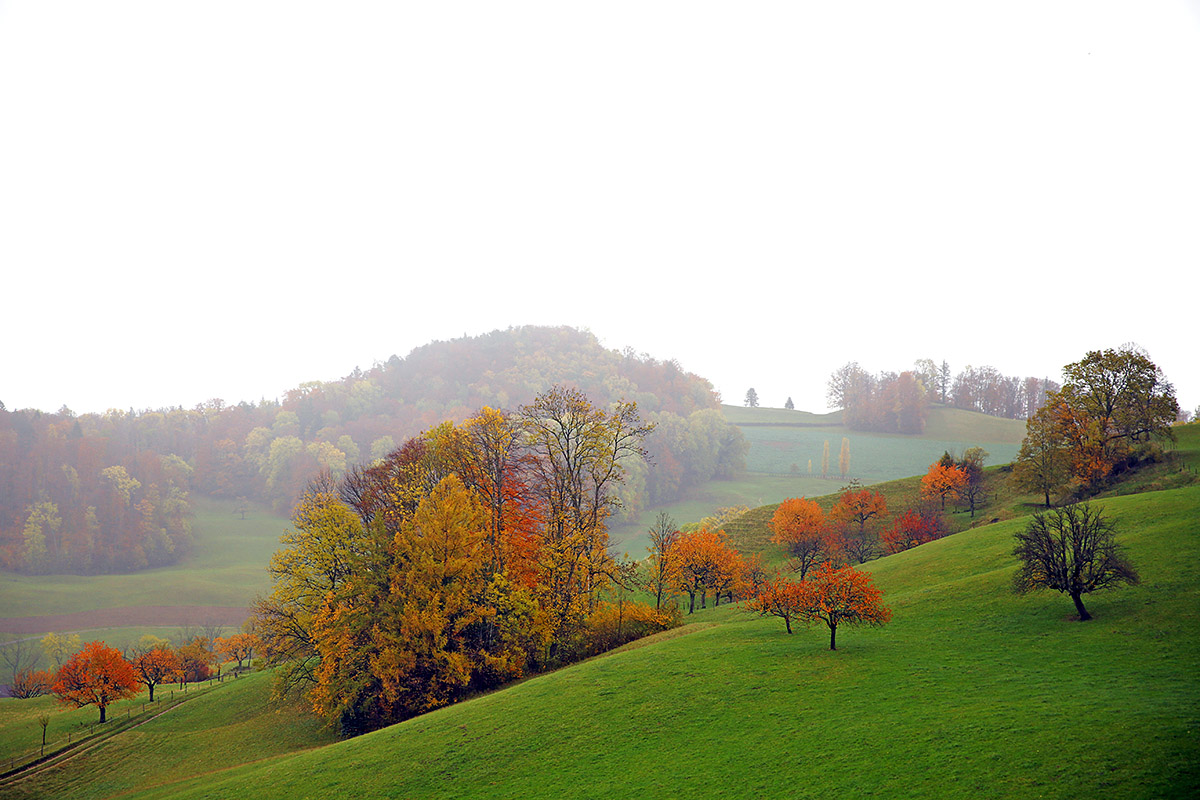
(227, 567)
(781, 448)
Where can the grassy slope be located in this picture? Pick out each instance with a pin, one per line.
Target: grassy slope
(970, 690)
(226, 568)
(231, 724)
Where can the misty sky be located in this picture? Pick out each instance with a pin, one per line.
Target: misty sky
(225, 199)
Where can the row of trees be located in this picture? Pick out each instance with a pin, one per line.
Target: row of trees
(99, 675)
(898, 402)
(1113, 410)
(696, 562)
(108, 492)
(471, 555)
(856, 529)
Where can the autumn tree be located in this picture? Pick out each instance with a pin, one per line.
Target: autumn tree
(844, 596)
(916, 526)
(1125, 392)
(1111, 408)
(236, 647)
(943, 480)
(705, 562)
(97, 675)
(855, 509)
(195, 660)
(30, 683)
(780, 598)
(392, 656)
(318, 556)
(1042, 463)
(664, 535)
(577, 461)
(972, 491)
(154, 666)
(1071, 550)
(844, 457)
(825, 460)
(799, 525)
(59, 647)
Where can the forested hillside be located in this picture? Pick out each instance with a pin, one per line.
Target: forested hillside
(109, 492)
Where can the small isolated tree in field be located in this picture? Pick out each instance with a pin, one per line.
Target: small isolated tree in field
(95, 676)
(842, 596)
(1071, 550)
(751, 398)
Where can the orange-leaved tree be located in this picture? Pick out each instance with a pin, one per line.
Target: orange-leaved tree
(238, 647)
(799, 525)
(857, 507)
(97, 675)
(30, 683)
(664, 565)
(941, 480)
(156, 666)
(842, 596)
(780, 598)
(699, 560)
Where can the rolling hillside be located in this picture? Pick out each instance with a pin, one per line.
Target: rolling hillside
(970, 690)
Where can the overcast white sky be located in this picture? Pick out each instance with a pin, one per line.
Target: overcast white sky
(225, 199)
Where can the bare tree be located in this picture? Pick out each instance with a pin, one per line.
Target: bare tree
(20, 655)
(1071, 550)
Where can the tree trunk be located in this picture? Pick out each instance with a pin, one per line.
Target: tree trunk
(1084, 616)
(691, 602)
(833, 637)
(152, 693)
(787, 621)
(1047, 498)
(102, 713)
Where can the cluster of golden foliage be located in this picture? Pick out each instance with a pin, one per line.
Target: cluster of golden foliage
(469, 556)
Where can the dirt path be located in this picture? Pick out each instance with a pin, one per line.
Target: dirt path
(129, 616)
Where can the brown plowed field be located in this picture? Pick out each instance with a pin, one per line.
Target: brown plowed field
(127, 617)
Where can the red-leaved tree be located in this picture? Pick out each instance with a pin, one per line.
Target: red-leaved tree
(842, 596)
(97, 675)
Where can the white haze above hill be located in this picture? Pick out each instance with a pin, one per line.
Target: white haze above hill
(225, 199)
